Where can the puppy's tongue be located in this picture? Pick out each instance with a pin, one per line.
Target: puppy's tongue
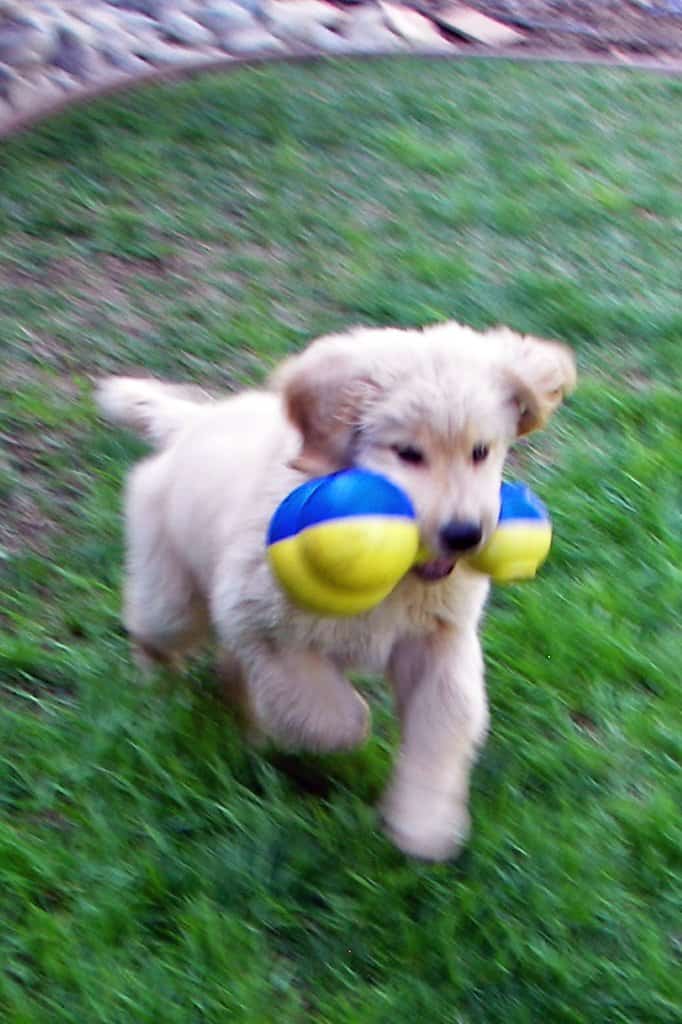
(436, 569)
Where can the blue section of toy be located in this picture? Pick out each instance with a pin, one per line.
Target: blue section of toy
(286, 520)
(351, 492)
(519, 502)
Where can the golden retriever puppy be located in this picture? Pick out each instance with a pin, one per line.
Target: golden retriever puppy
(433, 410)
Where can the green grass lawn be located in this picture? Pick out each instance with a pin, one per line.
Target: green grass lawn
(152, 868)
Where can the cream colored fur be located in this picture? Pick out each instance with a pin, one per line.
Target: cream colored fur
(197, 512)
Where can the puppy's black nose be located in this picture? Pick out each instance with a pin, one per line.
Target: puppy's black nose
(460, 535)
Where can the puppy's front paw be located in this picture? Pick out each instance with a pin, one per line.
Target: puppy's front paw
(323, 727)
(431, 828)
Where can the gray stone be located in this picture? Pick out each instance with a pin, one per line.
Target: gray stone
(177, 27)
(324, 39)
(293, 28)
(252, 6)
(8, 78)
(23, 44)
(140, 43)
(226, 17)
(298, 10)
(73, 53)
(366, 31)
(101, 19)
(298, 19)
(474, 25)
(137, 23)
(63, 80)
(253, 42)
(152, 8)
(50, 10)
(76, 28)
(162, 54)
(117, 50)
(30, 93)
(366, 17)
(413, 27)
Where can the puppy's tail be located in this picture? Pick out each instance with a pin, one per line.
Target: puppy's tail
(157, 412)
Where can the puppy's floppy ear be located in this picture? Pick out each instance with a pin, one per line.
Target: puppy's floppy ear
(325, 391)
(541, 375)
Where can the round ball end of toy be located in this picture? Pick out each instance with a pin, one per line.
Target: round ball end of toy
(340, 544)
(514, 552)
(522, 539)
(361, 553)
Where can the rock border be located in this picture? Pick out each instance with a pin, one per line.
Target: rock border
(54, 55)
(47, 107)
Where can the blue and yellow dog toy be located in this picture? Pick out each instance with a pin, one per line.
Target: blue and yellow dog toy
(521, 540)
(339, 544)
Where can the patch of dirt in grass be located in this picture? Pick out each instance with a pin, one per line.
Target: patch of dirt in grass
(59, 271)
(16, 375)
(639, 381)
(103, 292)
(28, 487)
(114, 272)
(23, 525)
(100, 293)
(114, 280)
(585, 723)
(51, 820)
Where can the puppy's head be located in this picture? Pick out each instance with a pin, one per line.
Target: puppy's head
(435, 411)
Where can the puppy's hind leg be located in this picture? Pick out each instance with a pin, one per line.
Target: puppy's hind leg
(234, 691)
(301, 701)
(163, 614)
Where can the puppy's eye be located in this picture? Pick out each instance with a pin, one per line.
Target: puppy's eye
(480, 452)
(408, 453)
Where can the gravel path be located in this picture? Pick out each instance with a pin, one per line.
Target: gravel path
(57, 52)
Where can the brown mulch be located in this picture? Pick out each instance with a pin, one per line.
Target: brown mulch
(587, 28)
